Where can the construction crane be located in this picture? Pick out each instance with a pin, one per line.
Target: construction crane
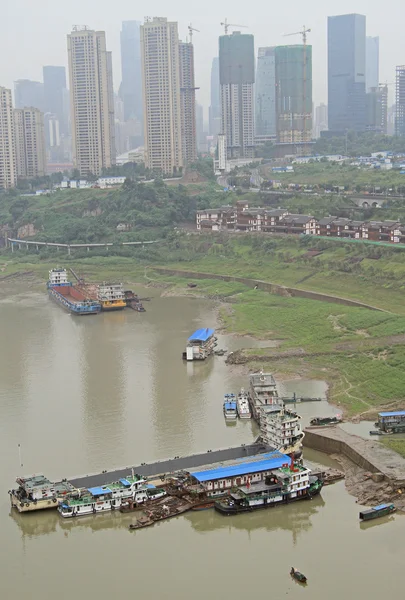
(304, 32)
(190, 32)
(227, 25)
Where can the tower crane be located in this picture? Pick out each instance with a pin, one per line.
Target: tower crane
(227, 25)
(304, 32)
(190, 32)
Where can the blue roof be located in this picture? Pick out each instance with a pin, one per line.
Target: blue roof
(275, 461)
(398, 413)
(201, 335)
(125, 482)
(99, 491)
(150, 486)
(230, 405)
(381, 506)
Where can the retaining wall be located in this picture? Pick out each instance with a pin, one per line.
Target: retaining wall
(272, 288)
(369, 455)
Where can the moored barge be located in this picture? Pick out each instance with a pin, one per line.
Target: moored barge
(378, 511)
(68, 296)
(38, 493)
(200, 345)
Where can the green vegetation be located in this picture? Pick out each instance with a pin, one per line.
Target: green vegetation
(359, 144)
(398, 445)
(329, 175)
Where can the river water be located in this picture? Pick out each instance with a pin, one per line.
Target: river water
(91, 393)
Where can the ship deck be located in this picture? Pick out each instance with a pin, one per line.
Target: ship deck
(184, 463)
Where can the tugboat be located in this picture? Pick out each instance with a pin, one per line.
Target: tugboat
(230, 410)
(243, 405)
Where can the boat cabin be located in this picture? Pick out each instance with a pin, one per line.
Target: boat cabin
(200, 344)
(392, 422)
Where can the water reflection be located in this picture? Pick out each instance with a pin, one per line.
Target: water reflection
(375, 523)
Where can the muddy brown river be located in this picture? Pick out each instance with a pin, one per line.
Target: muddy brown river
(83, 394)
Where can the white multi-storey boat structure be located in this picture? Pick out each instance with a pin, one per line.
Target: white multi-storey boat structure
(38, 492)
(263, 392)
(200, 344)
(105, 497)
(280, 428)
(242, 402)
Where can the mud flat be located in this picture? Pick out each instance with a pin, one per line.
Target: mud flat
(373, 472)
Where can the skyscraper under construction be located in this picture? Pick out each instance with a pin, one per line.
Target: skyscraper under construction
(237, 77)
(293, 93)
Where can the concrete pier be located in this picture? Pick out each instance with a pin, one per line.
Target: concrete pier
(367, 454)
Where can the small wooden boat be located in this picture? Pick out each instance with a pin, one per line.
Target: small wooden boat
(376, 432)
(300, 577)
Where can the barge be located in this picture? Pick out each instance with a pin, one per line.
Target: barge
(378, 511)
(38, 493)
(200, 345)
(321, 421)
(68, 296)
(391, 422)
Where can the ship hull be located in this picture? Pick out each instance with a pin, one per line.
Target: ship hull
(227, 510)
(73, 306)
(29, 506)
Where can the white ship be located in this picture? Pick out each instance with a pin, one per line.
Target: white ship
(263, 392)
(243, 405)
(106, 497)
(230, 408)
(280, 428)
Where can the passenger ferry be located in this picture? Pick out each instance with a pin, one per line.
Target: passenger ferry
(230, 409)
(243, 405)
(38, 492)
(105, 497)
(111, 296)
(70, 297)
(287, 484)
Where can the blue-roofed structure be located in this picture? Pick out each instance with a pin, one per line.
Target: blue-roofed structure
(392, 421)
(230, 405)
(273, 460)
(125, 482)
(201, 335)
(99, 491)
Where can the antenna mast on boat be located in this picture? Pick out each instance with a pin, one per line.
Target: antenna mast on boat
(19, 455)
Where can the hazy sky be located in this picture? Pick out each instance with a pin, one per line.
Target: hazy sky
(33, 33)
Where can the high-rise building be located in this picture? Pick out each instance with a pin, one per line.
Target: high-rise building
(54, 90)
(372, 62)
(377, 109)
(201, 138)
(131, 85)
(294, 93)
(8, 168)
(215, 106)
(161, 95)
(347, 73)
(30, 142)
(265, 116)
(400, 101)
(187, 102)
(237, 77)
(92, 101)
(321, 119)
(29, 93)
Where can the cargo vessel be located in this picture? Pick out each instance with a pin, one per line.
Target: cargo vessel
(38, 493)
(68, 296)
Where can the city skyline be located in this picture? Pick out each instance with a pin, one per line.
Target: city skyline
(205, 42)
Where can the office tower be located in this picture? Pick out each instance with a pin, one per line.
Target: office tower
(377, 109)
(8, 172)
(265, 122)
(372, 62)
(294, 93)
(400, 101)
(131, 85)
(321, 119)
(201, 137)
(54, 90)
(161, 95)
(215, 106)
(29, 93)
(346, 73)
(91, 100)
(237, 77)
(187, 102)
(30, 142)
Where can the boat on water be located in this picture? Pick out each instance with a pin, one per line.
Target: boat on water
(105, 497)
(378, 511)
(230, 407)
(286, 484)
(38, 493)
(300, 577)
(280, 428)
(69, 296)
(320, 421)
(200, 344)
(263, 392)
(242, 402)
(111, 296)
